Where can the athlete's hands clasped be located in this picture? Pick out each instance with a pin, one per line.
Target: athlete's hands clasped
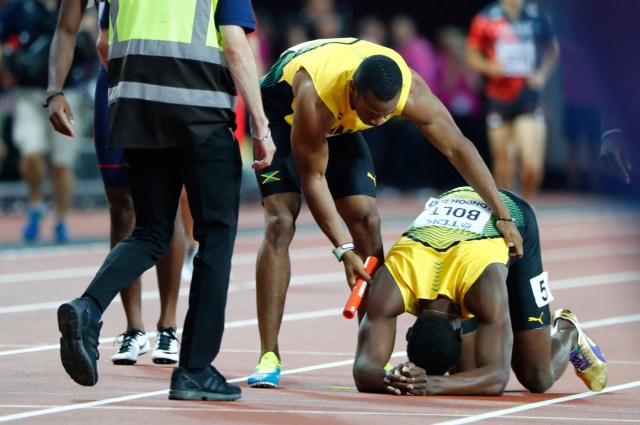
(407, 379)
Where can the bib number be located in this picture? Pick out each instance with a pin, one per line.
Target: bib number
(540, 289)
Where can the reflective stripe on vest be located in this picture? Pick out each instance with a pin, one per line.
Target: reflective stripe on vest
(162, 30)
(178, 96)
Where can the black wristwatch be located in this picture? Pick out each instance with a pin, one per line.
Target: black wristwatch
(340, 250)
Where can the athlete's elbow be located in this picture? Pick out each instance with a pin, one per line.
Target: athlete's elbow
(365, 382)
(501, 379)
(494, 383)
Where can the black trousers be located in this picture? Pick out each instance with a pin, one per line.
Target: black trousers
(211, 173)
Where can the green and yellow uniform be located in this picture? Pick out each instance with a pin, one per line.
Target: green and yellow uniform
(452, 242)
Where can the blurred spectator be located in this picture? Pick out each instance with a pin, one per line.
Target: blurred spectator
(329, 25)
(395, 168)
(26, 30)
(323, 17)
(372, 28)
(609, 37)
(581, 115)
(296, 33)
(512, 43)
(265, 39)
(414, 48)
(9, 155)
(459, 87)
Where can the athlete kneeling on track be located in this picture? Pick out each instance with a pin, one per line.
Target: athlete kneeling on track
(479, 311)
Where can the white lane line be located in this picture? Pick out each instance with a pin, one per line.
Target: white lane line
(388, 226)
(217, 408)
(78, 406)
(70, 407)
(74, 272)
(301, 280)
(227, 325)
(598, 279)
(610, 321)
(469, 419)
(549, 256)
(531, 406)
(324, 278)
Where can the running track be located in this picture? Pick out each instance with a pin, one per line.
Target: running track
(591, 249)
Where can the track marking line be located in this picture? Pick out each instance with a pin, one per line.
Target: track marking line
(308, 315)
(549, 256)
(531, 406)
(324, 278)
(468, 419)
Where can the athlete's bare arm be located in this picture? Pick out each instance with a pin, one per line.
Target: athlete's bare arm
(377, 332)
(426, 111)
(312, 121)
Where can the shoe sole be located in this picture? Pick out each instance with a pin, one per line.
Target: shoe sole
(201, 395)
(127, 362)
(164, 360)
(124, 362)
(74, 357)
(263, 385)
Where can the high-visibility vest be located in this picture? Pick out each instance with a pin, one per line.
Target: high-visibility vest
(167, 73)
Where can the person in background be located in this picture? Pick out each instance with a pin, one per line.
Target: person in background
(323, 18)
(512, 44)
(401, 135)
(613, 70)
(175, 129)
(372, 28)
(134, 341)
(26, 30)
(414, 48)
(582, 116)
(459, 87)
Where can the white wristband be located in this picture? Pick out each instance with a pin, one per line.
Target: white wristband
(340, 250)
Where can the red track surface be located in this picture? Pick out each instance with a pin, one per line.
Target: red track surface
(591, 249)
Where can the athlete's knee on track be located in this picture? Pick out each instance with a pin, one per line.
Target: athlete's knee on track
(534, 379)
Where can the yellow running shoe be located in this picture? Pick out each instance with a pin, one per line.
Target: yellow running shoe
(587, 358)
(267, 374)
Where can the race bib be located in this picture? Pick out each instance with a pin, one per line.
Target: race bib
(540, 289)
(517, 58)
(454, 213)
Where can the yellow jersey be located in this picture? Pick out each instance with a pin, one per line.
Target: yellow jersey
(331, 64)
